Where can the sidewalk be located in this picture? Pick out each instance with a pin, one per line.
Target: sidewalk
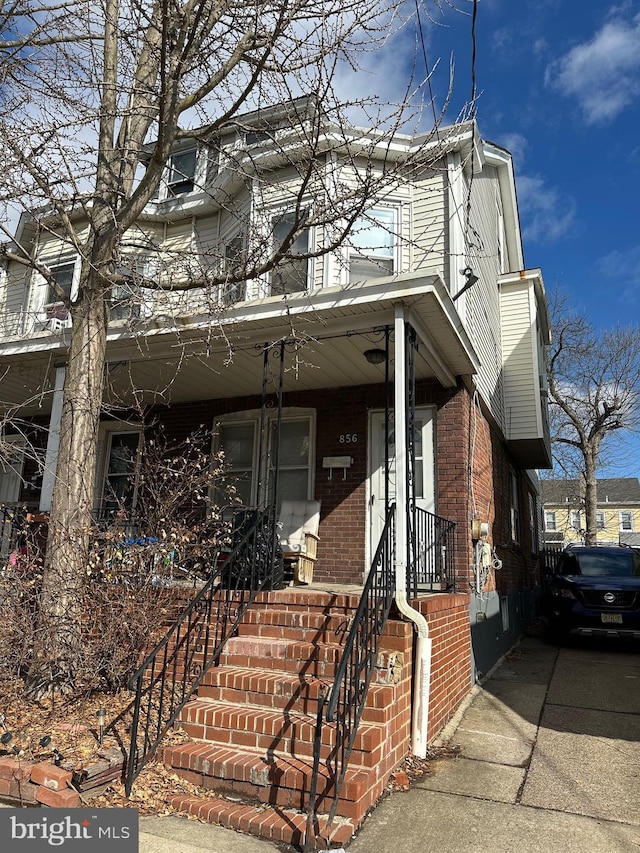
(550, 762)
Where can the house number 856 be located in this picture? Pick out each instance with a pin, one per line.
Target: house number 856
(348, 438)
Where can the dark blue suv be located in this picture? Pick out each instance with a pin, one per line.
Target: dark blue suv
(594, 590)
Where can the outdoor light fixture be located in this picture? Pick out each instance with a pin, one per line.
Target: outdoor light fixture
(375, 356)
(101, 714)
(470, 279)
(7, 740)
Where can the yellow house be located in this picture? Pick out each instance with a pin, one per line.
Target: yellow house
(617, 515)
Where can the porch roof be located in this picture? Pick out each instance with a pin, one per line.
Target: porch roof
(191, 358)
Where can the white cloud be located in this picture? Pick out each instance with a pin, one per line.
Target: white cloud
(546, 213)
(623, 267)
(602, 74)
(517, 144)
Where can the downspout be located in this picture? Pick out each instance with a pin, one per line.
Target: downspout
(422, 666)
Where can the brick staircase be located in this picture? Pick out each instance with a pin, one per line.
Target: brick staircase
(252, 724)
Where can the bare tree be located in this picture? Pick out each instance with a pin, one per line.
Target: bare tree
(594, 386)
(94, 100)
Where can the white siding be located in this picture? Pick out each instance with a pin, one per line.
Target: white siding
(482, 301)
(430, 236)
(519, 351)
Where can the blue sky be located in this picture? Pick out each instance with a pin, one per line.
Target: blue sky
(559, 86)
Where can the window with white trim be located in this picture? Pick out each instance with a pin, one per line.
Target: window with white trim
(600, 520)
(372, 244)
(533, 524)
(626, 521)
(550, 521)
(232, 292)
(575, 520)
(291, 275)
(181, 172)
(121, 467)
(238, 438)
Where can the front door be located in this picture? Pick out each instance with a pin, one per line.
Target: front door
(424, 473)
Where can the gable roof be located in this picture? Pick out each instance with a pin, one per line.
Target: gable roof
(617, 490)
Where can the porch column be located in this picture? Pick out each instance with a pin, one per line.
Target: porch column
(400, 420)
(53, 442)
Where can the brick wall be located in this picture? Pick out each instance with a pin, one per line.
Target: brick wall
(448, 619)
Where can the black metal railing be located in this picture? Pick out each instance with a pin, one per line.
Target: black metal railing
(172, 672)
(430, 558)
(344, 703)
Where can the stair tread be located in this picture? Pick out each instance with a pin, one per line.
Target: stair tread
(277, 824)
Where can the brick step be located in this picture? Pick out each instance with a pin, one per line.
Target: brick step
(266, 731)
(271, 779)
(313, 601)
(287, 692)
(294, 624)
(277, 825)
(308, 659)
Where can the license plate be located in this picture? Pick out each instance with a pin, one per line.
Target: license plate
(609, 618)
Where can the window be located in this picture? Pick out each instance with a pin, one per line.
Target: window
(600, 520)
(626, 521)
(239, 439)
(120, 472)
(290, 276)
(373, 242)
(254, 137)
(550, 522)
(533, 524)
(182, 171)
(63, 276)
(515, 508)
(574, 519)
(233, 261)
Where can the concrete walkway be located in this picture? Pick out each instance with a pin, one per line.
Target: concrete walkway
(550, 762)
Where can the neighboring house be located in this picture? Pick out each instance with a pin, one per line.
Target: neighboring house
(617, 514)
(431, 289)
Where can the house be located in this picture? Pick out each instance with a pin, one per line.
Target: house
(617, 513)
(402, 369)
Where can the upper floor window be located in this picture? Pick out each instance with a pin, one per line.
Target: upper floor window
(372, 244)
(550, 521)
(181, 172)
(626, 521)
(63, 276)
(233, 291)
(600, 520)
(574, 519)
(291, 274)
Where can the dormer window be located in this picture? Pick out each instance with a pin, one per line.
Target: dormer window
(182, 172)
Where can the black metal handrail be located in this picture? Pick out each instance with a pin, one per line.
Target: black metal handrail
(431, 544)
(172, 672)
(345, 701)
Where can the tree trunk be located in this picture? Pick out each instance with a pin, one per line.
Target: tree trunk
(590, 500)
(58, 642)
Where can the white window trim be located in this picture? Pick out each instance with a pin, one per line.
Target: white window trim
(397, 208)
(629, 514)
(41, 292)
(550, 528)
(290, 413)
(107, 431)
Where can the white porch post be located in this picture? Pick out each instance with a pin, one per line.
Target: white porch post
(53, 442)
(422, 662)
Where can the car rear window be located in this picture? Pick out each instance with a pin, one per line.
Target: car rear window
(625, 564)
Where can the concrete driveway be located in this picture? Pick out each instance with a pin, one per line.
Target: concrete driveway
(550, 761)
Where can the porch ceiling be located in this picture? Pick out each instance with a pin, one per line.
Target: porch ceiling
(193, 360)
